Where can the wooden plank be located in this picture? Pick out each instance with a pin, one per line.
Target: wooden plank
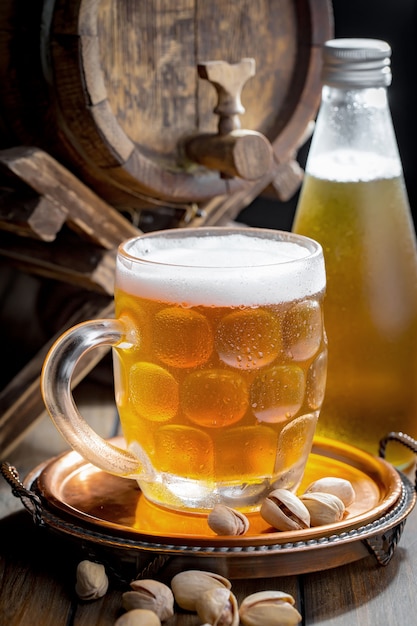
(67, 259)
(364, 592)
(30, 595)
(30, 215)
(87, 212)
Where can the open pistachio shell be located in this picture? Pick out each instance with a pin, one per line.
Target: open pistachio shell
(150, 594)
(283, 510)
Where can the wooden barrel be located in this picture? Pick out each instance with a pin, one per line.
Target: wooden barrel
(110, 88)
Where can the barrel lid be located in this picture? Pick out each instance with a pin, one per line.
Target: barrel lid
(356, 63)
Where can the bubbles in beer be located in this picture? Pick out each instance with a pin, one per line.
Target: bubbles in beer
(248, 339)
(316, 381)
(182, 337)
(277, 393)
(184, 450)
(246, 450)
(302, 330)
(214, 398)
(153, 392)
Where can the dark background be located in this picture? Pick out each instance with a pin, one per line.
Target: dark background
(394, 21)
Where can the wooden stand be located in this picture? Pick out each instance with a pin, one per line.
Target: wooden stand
(55, 227)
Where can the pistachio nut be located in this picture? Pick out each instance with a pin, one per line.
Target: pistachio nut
(92, 581)
(188, 586)
(224, 520)
(218, 607)
(324, 508)
(269, 608)
(283, 510)
(340, 487)
(150, 594)
(138, 617)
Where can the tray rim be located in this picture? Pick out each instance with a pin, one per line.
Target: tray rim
(394, 517)
(60, 514)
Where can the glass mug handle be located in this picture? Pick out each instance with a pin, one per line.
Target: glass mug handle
(57, 373)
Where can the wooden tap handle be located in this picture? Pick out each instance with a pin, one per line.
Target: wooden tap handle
(233, 151)
(228, 80)
(242, 153)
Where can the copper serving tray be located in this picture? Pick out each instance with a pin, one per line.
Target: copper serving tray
(110, 516)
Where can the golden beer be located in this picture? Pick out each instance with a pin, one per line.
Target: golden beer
(221, 375)
(371, 306)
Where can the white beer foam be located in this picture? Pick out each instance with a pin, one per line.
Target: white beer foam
(226, 270)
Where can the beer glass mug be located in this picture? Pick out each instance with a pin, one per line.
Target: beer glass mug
(219, 355)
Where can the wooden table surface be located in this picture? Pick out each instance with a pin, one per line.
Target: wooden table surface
(37, 567)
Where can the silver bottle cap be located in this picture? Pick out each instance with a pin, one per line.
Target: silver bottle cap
(356, 63)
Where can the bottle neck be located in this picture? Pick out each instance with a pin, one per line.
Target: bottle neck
(354, 126)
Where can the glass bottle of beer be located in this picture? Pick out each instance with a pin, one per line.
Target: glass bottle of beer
(354, 202)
